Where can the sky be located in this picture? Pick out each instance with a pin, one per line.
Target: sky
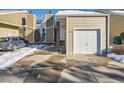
(41, 12)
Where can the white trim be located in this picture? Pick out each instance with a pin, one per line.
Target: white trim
(53, 28)
(66, 40)
(45, 29)
(33, 28)
(95, 29)
(108, 31)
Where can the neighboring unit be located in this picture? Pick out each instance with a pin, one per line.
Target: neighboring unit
(116, 23)
(49, 27)
(17, 23)
(38, 33)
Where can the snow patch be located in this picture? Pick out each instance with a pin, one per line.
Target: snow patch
(119, 58)
(77, 12)
(8, 59)
(118, 11)
(40, 46)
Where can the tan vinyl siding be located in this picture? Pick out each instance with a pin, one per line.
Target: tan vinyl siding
(8, 30)
(12, 23)
(49, 35)
(62, 22)
(49, 20)
(29, 34)
(29, 29)
(31, 26)
(84, 23)
(14, 18)
(49, 28)
(62, 27)
(116, 26)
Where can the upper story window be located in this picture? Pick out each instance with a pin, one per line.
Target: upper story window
(23, 21)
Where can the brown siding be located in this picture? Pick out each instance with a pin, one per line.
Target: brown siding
(84, 23)
(116, 26)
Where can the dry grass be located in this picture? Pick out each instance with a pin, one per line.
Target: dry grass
(40, 59)
(95, 59)
(25, 62)
(56, 58)
(41, 53)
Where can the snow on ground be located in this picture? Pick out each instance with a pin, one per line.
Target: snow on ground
(10, 58)
(39, 46)
(119, 58)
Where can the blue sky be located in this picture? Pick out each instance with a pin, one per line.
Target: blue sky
(40, 12)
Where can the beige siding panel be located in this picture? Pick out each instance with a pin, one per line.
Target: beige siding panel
(116, 26)
(84, 23)
(29, 34)
(62, 22)
(8, 32)
(49, 20)
(13, 22)
(31, 26)
(49, 35)
(31, 21)
(14, 18)
(49, 28)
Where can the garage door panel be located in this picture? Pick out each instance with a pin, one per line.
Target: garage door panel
(78, 41)
(86, 42)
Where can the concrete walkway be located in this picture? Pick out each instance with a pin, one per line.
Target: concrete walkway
(48, 67)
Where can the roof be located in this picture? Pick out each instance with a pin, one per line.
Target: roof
(12, 11)
(116, 12)
(79, 13)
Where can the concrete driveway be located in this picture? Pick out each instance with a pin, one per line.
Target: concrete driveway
(93, 74)
(51, 67)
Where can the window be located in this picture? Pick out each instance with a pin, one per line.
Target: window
(23, 21)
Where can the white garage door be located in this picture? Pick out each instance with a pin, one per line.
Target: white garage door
(86, 41)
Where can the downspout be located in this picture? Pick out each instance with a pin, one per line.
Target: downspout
(58, 36)
(107, 33)
(34, 24)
